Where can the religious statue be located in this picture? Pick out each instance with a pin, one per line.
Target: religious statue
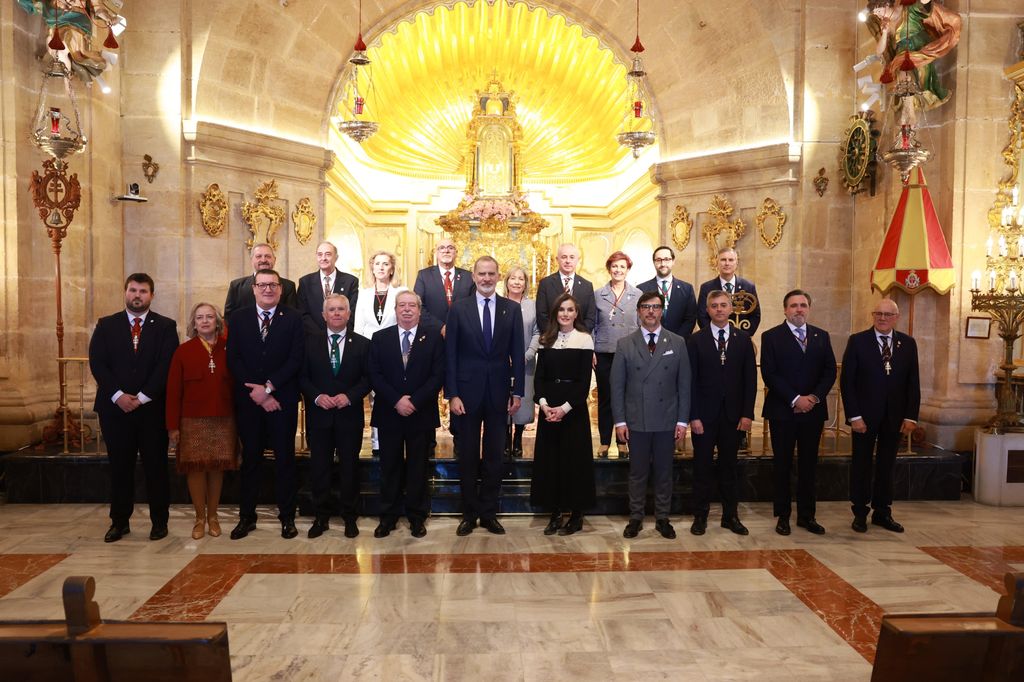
(911, 35)
(75, 22)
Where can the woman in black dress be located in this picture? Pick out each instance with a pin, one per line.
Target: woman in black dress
(563, 460)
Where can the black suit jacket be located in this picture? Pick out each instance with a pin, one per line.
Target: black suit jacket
(117, 367)
(722, 391)
(353, 380)
(278, 359)
(240, 295)
(478, 376)
(311, 298)
(552, 286)
(421, 379)
(882, 400)
(681, 314)
(789, 372)
(706, 288)
(430, 288)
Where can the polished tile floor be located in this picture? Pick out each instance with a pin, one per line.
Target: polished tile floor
(523, 606)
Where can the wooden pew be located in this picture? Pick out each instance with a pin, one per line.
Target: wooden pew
(955, 647)
(84, 648)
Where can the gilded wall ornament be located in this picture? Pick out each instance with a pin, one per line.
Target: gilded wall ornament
(304, 220)
(56, 196)
(857, 153)
(263, 219)
(213, 207)
(731, 231)
(681, 225)
(820, 182)
(770, 210)
(149, 168)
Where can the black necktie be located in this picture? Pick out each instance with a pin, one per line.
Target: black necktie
(487, 325)
(650, 342)
(265, 325)
(728, 287)
(886, 351)
(721, 344)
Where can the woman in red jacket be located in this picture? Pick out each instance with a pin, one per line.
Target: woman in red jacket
(200, 414)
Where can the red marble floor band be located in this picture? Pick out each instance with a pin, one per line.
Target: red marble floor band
(18, 569)
(987, 565)
(197, 589)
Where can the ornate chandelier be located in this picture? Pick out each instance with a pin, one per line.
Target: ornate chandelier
(53, 130)
(637, 129)
(356, 120)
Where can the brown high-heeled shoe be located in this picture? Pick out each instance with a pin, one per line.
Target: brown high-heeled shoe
(211, 520)
(200, 524)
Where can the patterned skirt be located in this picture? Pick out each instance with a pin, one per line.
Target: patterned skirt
(207, 444)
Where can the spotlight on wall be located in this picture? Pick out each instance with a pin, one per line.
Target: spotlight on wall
(104, 88)
(862, 16)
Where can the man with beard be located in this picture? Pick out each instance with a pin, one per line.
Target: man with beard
(240, 290)
(680, 313)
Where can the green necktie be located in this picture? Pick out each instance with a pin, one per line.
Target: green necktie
(664, 291)
(335, 353)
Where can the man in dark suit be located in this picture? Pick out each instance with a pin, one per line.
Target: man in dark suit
(334, 381)
(240, 290)
(721, 408)
(129, 355)
(729, 282)
(562, 281)
(484, 372)
(680, 306)
(316, 286)
(440, 285)
(881, 390)
(799, 368)
(406, 372)
(265, 350)
(651, 408)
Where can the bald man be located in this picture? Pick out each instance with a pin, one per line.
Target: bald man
(565, 280)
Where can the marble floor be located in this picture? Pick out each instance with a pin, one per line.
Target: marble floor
(523, 606)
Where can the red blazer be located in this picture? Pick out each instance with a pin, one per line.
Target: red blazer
(192, 391)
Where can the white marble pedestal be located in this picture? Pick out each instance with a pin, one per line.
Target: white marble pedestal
(995, 456)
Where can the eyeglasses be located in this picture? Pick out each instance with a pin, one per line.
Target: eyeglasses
(263, 286)
(446, 248)
(663, 260)
(886, 315)
(650, 306)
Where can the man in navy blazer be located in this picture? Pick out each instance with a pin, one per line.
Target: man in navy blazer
(799, 368)
(881, 389)
(406, 372)
(680, 306)
(265, 350)
(334, 381)
(564, 280)
(315, 286)
(240, 290)
(129, 355)
(440, 285)
(484, 373)
(724, 385)
(729, 282)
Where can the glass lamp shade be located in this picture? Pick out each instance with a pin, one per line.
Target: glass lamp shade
(57, 126)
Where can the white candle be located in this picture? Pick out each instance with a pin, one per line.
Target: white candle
(988, 247)
(1020, 246)
(976, 280)
(991, 280)
(1007, 216)
(1002, 246)
(1016, 195)
(1013, 280)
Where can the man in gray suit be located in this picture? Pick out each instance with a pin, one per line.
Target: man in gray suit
(651, 406)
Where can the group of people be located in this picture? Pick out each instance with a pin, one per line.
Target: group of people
(232, 391)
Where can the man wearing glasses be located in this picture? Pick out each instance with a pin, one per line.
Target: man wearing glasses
(265, 352)
(680, 313)
(881, 391)
(651, 408)
(440, 285)
(240, 290)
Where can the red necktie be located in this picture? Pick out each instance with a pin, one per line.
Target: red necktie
(136, 333)
(448, 286)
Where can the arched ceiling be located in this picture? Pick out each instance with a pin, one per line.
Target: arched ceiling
(569, 91)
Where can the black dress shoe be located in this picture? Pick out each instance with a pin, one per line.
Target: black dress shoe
(782, 526)
(288, 529)
(811, 525)
(554, 523)
(860, 524)
(733, 524)
(116, 532)
(383, 529)
(244, 527)
(417, 528)
(351, 529)
(574, 525)
(665, 528)
(158, 531)
(517, 453)
(465, 527)
(632, 528)
(699, 525)
(492, 526)
(318, 528)
(887, 523)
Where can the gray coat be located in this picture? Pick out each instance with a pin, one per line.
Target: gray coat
(651, 393)
(609, 328)
(531, 338)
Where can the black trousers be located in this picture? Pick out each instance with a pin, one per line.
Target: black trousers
(603, 373)
(862, 487)
(129, 436)
(481, 502)
(404, 466)
(803, 435)
(324, 443)
(259, 429)
(723, 435)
